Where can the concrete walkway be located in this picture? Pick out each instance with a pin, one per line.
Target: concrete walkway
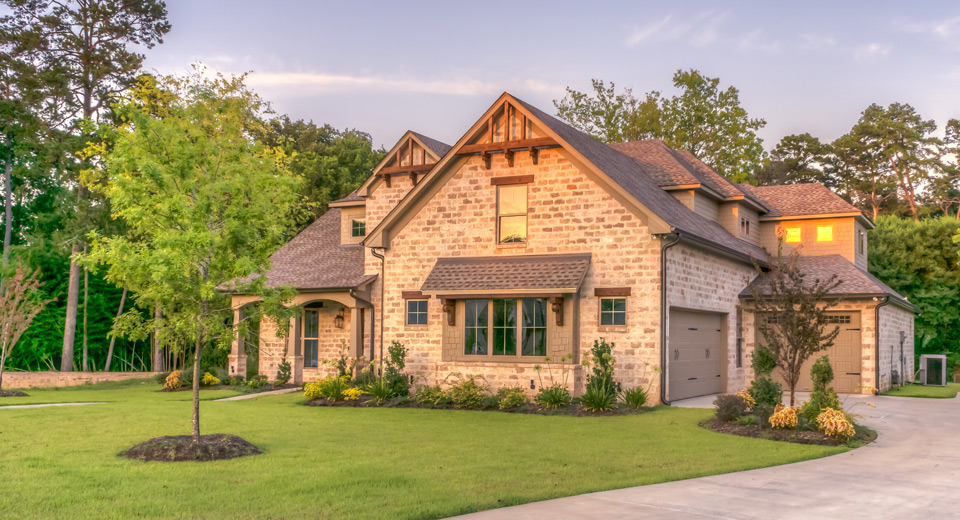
(259, 394)
(24, 406)
(911, 471)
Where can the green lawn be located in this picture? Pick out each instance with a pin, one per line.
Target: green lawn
(342, 462)
(936, 392)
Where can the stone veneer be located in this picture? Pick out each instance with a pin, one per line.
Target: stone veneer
(894, 319)
(60, 379)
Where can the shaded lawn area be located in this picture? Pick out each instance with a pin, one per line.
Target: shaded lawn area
(935, 392)
(323, 462)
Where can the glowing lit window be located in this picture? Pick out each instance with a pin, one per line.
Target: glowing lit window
(824, 233)
(792, 234)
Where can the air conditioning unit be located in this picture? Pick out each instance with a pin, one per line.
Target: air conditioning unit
(933, 369)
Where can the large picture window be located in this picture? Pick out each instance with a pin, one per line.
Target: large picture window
(512, 214)
(311, 336)
(518, 328)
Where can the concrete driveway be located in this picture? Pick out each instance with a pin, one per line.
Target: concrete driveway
(911, 471)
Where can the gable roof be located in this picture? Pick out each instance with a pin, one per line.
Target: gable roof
(563, 273)
(793, 200)
(352, 199)
(854, 281)
(314, 259)
(435, 146)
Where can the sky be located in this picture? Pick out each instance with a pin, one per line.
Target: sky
(434, 67)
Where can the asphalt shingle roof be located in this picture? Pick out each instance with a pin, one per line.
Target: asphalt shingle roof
(520, 272)
(353, 196)
(437, 147)
(788, 200)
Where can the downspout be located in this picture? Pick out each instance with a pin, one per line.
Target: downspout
(663, 315)
(383, 283)
(876, 344)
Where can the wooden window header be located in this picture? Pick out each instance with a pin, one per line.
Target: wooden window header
(414, 295)
(611, 291)
(514, 179)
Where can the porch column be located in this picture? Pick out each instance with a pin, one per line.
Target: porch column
(238, 356)
(356, 332)
(297, 361)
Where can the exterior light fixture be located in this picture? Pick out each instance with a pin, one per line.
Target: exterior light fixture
(532, 385)
(338, 321)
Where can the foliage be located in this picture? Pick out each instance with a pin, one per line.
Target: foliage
(635, 397)
(257, 381)
(365, 377)
(379, 389)
(600, 394)
(763, 411)
(747, 420)
(598, 398)
(784, 417)
(821, 373)
(333, 388)
(431, 395)
(511, 398)
(161, 377)
(792, 315)
(729, 407)
(236, 381)
(466, 393)
(796, 159)
(283, 372)
(172, 381)
(763, 361)
(703, 119)
(393, 371)
(765, 390)
(352, 394)
(747, 398)
(20, 302)
(553, 396)
(821, 397)
(209, 380)
(834, 424)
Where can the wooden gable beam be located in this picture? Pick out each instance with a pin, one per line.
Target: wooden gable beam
(410, 168)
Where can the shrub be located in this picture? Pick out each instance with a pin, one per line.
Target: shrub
(236, 381)
(467, 394)
(186, 376)
(257, 381)
(491, 402)
(635, 397)
(763, 362)
(598, 399)
(333, 388)
(172, 381)
(821, 373)
(553, 396)
(834, 424)
(511, 398)
(393, 372)
(283, 372)
(766, 391)
(819, 401)
(161, 378)
(747, 420)
(365, 377)
(729, 407)
(431, 396)
(209, 380)
(380, 390)
(602, 363)
(763, 412)
(747, 398)
(784, 417)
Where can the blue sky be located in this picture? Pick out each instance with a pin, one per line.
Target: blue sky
(433, 67)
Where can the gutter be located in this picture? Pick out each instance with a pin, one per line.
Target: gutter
(383, 283)
(876, 343)
(664, 246)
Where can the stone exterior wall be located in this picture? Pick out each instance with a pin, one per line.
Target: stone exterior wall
(60, 379)
(893, 320)
(568, 213)
(700, 281)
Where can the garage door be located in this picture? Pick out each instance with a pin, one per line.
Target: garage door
(844, 356)
(694, 354)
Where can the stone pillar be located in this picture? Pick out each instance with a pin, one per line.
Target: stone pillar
(297, 361)
(356, 333)
(238, 356)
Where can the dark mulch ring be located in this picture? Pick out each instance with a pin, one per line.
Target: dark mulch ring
(864, 435)
(217, 446)
(574, 410)
(12, 393)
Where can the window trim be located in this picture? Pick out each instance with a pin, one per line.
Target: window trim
(362, 227)
(304, 338)
(744, 226)
(526, 215)
(490, 357)
(614, 312)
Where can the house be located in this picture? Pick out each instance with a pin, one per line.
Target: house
(526, 240)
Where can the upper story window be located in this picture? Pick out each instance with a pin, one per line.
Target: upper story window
(359, 227)
(512, 214)
(792, 234)
(824, 233)
(744, 226)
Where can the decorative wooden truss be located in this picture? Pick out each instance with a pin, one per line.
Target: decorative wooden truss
(409, 158)
(508, 132)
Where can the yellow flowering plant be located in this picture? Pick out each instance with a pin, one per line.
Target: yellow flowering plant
(352, 394)
(172, 382)
(747, 398)
(209, 380)
(784, 417)
(834, 424)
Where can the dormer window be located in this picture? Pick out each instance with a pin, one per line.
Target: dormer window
(744, 226)
(512, 214)
(792, 234)
(824, 233)
(359, 227)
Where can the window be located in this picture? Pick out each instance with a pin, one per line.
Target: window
(475, 327)
(512, 214)
(792, 234)
(744, 226)
(311, 335)
(613, 312)
(863, 240)
(416, 312)
(839, 319)
(359, 227)
(503, 331)
(824, 233)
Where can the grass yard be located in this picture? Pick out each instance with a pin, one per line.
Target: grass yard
(935, 392)
(322, 462)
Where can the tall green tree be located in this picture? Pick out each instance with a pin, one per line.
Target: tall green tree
(945, 186)
(93, 45)
(796, 159)
(203, 203)
(708, 121)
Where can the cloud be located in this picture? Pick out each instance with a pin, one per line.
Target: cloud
(873, 50)
(314, 82)
(754, 41)
(817, 42)
(698, 31)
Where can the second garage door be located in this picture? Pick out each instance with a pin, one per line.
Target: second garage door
(845, 356)
(695, 353)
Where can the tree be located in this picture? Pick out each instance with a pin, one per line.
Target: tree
(945, 186)
(203, 203)
(796, 159)
(19, 304)
(863, 172)
(792, 315)
(90, 43)
(707, 121)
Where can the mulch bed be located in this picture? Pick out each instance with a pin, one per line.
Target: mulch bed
(12, 393)
(217, 446)
(575, 410)
(864, 435)
(241, 388)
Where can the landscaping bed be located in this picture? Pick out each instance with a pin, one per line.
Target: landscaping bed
(573, 410)
(13, 393)
(863, 436)
(178, 448)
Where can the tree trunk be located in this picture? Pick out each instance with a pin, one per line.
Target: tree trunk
(196, 376)
(3, 363)
(113, 339)
(70, 323)
(156, 348)
(7, 209)
(86, 294)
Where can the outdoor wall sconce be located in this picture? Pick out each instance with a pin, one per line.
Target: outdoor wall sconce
(338, 321)
(532, 385)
